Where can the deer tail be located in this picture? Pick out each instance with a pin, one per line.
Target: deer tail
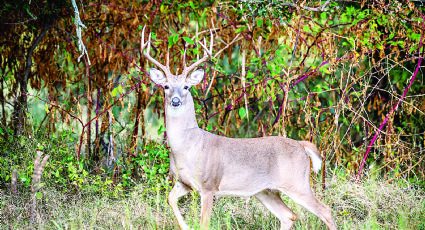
(314, 155)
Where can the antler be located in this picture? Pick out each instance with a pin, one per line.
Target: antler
(143, 45)
(186, 70)
(207, 54)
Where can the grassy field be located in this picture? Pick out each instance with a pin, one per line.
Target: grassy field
(369, 205)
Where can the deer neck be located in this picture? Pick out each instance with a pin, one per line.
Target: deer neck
(180, 122)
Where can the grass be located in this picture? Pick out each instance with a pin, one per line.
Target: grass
(369, 205)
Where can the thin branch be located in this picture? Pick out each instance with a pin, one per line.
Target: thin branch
(31, 50)
(394, 109)
(410, 168)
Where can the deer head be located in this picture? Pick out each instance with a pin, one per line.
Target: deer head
(176, 87)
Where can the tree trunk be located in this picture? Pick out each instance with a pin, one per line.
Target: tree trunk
(18, 115)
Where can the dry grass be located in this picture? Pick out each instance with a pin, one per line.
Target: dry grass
(371, 205)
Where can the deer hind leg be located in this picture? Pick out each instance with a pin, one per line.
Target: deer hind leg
(272, 201)
(206, 205)
(178, 191)
(305, 198)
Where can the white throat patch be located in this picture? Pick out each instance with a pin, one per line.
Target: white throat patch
(175, 111)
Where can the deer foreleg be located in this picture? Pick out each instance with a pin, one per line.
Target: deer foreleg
(178, 191)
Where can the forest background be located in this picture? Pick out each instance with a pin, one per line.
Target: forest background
(345, 75)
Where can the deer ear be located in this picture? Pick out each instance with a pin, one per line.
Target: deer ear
(156, 76)
(196, 77)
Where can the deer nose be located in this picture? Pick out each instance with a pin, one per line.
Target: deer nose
(175, 102)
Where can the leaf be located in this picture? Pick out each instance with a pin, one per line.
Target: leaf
(120, 88)
(319, 88)
(240, 29)
(188, 40)
(209, 128)
(203, 16)
(179, 15)
(242, 112)
(413, 49)
(344, 18)
(46, 108)
(356, 94)
(324, 68)
(170, 41)
(260, 23)
(195, 51)
(114, 92)
(39, 195)
(316, 28)
(161, 130)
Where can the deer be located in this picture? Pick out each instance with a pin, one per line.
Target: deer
(215, 165)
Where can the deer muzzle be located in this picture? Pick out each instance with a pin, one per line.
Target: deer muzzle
(176, 102)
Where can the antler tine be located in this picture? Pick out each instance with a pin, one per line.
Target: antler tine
(184, 56)
(168, 57)
(227, 45)
(147, 55)
(204, 46)
(207, 54)
(211, 42)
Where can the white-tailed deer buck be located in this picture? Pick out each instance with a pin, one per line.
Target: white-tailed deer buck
(217, 165)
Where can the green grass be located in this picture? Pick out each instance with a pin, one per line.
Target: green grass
(370, 205)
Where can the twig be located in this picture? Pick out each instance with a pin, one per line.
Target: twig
(389, 181)
(78, 26)
(243, 83)
(394, 109)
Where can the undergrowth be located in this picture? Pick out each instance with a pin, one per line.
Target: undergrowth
(370, 205)
(78, 195)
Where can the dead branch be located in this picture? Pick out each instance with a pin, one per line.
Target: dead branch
(38, 171)
(14, 183)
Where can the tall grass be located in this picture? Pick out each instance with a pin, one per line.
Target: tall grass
(369, 205)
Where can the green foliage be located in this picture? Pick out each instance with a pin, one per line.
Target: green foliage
(62, 169)
(155, 163)
(65, 173)
(264, 8)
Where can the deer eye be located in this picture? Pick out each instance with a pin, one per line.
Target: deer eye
(186, 87)
(166, 87)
